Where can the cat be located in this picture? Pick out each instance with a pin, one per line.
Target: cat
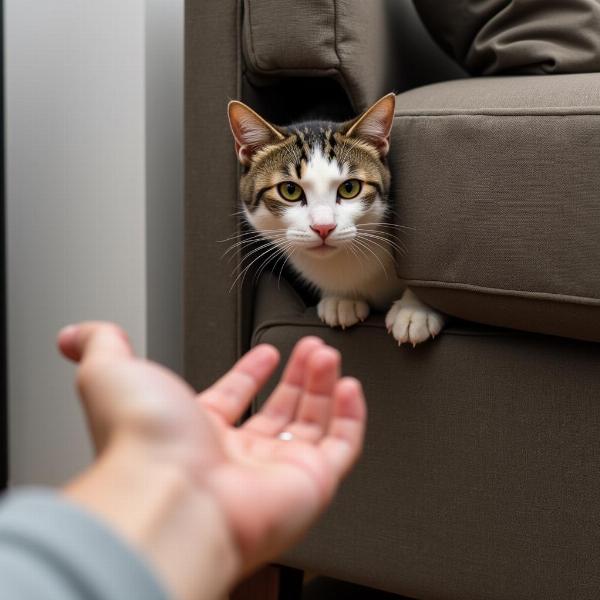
(319, 192)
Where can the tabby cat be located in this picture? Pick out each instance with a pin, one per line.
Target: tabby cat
(318, 191)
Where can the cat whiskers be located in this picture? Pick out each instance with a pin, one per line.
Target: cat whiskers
(383, 242)
(248, 244)
(237, 245)
(247, 255)
(251, 232)
(389, 237)
(386, 224)
(365, 246)
(278, 252)
(354, 250)
(271, 249)
(252, 237)
(287, 257)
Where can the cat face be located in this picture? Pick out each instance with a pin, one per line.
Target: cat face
(310, 187)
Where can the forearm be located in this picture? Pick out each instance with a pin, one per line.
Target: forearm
(51, 549)
(153, 506)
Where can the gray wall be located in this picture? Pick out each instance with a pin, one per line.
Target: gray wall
(93, 144)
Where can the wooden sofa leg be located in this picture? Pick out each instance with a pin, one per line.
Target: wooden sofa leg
(271, 583)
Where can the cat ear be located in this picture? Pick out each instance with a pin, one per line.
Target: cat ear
(375, 124)
(250, 131)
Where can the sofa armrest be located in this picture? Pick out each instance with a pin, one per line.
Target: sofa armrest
(342, 39)
(498, 180)
(212, 330)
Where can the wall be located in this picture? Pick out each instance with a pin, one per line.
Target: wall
(93, 202)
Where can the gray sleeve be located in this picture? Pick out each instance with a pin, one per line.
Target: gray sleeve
(51, 549)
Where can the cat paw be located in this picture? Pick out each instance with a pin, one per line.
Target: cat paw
(411, 321)
(342, 312)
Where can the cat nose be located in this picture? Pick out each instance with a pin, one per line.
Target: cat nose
(324, 230)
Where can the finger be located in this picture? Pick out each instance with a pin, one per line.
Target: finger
(230, 396)
(97, 346)
(345, 434)
(93, 339)
(280, 408)
(323, 372)
(295, 371)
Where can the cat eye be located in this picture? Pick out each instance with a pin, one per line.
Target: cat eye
(290, 191)
(349, 189)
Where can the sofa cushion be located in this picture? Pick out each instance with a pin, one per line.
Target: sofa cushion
(521, 36)
(498, 183)
(480, 472)
(343, 39)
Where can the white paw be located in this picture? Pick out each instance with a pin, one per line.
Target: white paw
(411, 321)
(342, 312)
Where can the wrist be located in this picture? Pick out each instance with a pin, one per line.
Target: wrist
(158, 509)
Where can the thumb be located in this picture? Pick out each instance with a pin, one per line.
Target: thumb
(95, 345)
(93, 339)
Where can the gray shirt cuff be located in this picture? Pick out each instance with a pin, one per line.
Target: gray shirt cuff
(51, 549)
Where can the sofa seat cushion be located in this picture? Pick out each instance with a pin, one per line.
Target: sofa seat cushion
(479, 477)
(497, 181)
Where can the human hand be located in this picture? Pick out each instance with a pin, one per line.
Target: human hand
(242, 494)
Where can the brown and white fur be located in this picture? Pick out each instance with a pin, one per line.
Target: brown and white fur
(342, 246)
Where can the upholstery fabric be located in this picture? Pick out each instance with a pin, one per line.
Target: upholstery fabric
(212, 313)
(343, 39)
(479, 478)
(496, 180)
(518, 36)
(480, 474)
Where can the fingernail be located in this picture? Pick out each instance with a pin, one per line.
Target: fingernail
(68, 331)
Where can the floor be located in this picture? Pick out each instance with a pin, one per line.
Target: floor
(324, 588)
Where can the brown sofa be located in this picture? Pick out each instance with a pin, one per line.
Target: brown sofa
(481, 472)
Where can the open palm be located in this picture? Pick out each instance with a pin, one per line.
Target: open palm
(273, 475)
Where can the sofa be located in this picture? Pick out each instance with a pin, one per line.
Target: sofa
(480, 478)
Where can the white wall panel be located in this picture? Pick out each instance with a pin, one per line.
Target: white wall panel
(78, 184)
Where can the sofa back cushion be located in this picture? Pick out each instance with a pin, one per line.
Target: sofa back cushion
(342, 39)
(520, 36)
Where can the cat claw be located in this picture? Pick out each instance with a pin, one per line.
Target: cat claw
(342, 312)
(400, 344)
(411, 321)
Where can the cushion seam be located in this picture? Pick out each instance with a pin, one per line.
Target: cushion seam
(335, 34)
(567, 111)
(274, 323)
(255, 60)
(552, 296)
